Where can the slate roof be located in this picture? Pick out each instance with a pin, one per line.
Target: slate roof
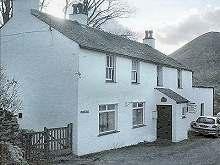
(98, 40)
(173, 95)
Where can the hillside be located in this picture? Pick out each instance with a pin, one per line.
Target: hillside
(203, 56)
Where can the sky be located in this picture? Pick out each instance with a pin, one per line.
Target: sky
(174, 22)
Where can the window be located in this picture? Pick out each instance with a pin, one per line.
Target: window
(179, 78)
(202, 109)
(159, 76)
(107, 118)
(135, 71)
(110, 68)
(138, 114)
(184, 111)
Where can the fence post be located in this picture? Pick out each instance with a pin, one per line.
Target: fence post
(46, 143)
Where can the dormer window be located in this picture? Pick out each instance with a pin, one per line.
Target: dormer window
(110, 68)
(135, 74)
(159, 75)
(179, 79)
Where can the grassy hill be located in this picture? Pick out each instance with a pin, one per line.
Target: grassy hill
(203, 56)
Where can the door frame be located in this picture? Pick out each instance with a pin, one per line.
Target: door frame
(167, 105)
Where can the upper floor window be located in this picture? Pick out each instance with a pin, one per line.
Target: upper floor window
(138, 114)
(110, 68)
(179, 79)
(159, 75)
(107, 118)
(135, 74)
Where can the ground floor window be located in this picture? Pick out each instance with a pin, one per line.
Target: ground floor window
(138, 114)
(107, 118)
(202, 109)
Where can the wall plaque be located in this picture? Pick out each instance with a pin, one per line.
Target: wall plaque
(163, 99)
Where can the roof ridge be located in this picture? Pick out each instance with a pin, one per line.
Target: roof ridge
(100, 40)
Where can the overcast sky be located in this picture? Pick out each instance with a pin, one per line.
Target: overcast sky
(174, 22)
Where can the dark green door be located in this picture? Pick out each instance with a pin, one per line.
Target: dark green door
(164, 122)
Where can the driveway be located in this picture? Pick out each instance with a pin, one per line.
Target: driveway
(196, 151)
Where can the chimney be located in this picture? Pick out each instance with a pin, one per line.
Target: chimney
(80, 13)
(149, 40)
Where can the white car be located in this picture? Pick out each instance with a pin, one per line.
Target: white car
(206, 125)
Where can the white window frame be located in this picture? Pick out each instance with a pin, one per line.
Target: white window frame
(159, 75)
(137, 108)
(179, 79)
(110, 74)
(106, 111)
(135, 71)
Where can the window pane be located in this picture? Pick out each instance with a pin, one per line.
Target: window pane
(139, 114)
(103, 124)
(134, 65)
(111, 107)
(108, 62)
(140, 104)
(106, 121)
(134, 105)
(134, 76)
(159, 76)
(111, 121)
(134, 118)
(102, 107)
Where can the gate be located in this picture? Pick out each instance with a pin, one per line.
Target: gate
(48, 144)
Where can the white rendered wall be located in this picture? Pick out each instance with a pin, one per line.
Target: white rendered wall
(93, 90)
(44, 63)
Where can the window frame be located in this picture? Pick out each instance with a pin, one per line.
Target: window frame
(143, 114)
(110, 69)
(136, 71)
(179, 79)
(159, 75)
(115, 118)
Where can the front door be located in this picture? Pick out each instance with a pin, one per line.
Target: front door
(164, 122)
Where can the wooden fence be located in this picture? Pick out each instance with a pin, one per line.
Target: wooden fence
(48, 144)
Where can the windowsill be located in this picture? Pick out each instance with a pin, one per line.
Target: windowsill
(180, 88)
(135, 83)
(108, 133)
(138, 126)
(109, 81)
(159, 85)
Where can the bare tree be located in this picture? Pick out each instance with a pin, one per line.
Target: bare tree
(44, 4)
(101, 11)
(9, 96)
(6, 11)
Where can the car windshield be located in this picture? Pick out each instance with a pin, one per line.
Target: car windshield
(206, 120)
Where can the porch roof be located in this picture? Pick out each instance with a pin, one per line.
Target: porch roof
(173, 95)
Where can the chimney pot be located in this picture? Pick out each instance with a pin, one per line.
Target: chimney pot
(149, 40)
(80, 13)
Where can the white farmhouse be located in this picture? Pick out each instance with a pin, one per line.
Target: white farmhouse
(115, 91)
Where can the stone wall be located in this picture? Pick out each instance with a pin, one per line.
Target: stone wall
(9, 127)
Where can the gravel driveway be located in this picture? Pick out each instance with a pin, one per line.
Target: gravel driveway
(196, 151)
